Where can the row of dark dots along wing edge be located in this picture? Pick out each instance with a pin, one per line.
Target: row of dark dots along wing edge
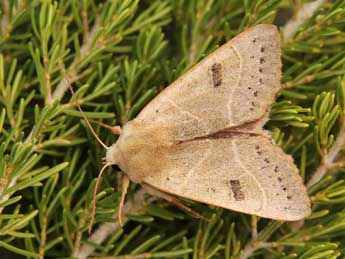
(276, 170)
(261, 61)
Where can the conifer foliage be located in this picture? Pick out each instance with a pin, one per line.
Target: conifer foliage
(118, 54)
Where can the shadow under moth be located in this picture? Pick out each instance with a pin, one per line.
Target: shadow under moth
(202, 138)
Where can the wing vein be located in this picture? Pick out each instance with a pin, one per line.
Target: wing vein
(183, 111)
(250, 174)
(207, 154)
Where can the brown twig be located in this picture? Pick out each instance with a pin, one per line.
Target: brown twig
(4, 21)
(4, 186)
(108, 228)
(6, 26)
(301, 16)
(79, 232)
(251, 247)
(43, 236)
(254, 244)
(72, 73)
(328, 161)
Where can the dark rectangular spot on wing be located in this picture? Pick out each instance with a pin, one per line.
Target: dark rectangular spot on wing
(235, 186)
(217, 74)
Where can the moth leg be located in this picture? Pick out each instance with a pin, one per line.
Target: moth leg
(115, 130)
(169, 198)
(124, 187)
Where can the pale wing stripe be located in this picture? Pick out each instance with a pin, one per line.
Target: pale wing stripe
(235, 86)
(250, 174)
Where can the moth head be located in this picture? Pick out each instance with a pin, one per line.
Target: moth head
(112, 155)
(130, 138)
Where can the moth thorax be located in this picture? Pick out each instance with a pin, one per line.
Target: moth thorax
(113, 155)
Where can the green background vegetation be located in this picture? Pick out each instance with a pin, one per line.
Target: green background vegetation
(118, 55)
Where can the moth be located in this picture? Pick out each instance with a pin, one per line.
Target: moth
(202, 138)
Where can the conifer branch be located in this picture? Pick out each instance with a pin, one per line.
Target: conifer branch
(57, 94)
(71, 73)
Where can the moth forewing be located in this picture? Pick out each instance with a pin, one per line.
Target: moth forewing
(248, 78)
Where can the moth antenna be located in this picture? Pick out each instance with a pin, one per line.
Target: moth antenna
(124, 187)
(94, 201)
(85, 118)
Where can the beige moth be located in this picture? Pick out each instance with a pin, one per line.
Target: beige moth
(202, 138)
